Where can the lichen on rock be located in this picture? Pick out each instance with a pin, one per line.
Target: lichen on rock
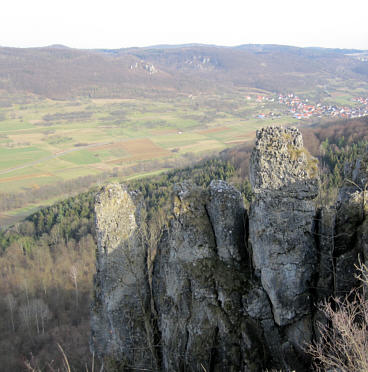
(121, 303)
(281, 221)
(279, 160)
(199, 279)
(230, 289)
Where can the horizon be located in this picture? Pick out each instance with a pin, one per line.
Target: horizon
(179, 45)
(113, 25)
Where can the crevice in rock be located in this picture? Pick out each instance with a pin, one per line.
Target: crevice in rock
(214, 351)
(247, 255)
(157, 341)
(212, 228)
(187, 322)
(316, 233)
(353, 238)
(270, 304)
(183, 362)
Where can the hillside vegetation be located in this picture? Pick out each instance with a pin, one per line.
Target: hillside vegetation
(47, 261)
(64, 73)
(72, 118)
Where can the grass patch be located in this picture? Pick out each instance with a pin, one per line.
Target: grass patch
(13, 157)
(124, 131)
(13, 125)
(81, 157)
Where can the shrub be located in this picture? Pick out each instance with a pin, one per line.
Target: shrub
(342, 345)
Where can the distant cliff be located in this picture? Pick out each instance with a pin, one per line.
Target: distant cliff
(229, 289)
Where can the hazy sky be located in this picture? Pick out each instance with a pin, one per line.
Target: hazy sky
(125, 23)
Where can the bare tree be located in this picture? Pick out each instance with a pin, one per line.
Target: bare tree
(11, 303)
(25, 317)
(343, 342)
(74, 276)
(41, 313)
(35, 313)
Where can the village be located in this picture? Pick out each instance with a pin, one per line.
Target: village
(303, 109)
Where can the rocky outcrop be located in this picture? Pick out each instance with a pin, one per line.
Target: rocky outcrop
(281, 234)
(200, 277)
(285, 185)
(120, 312)
(230, 290)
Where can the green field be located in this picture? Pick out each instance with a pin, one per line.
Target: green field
(43, 142)
(46, 141)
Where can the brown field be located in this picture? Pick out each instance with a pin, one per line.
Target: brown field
(337, 94)
(140, 149)
(106, 101)
(237, 141)
(143, 146)
(241, 139)
(202, 145)
(24, 177)
(163, 131)
(213, 130)
(108, 146)
(119, 161)
(34, 138)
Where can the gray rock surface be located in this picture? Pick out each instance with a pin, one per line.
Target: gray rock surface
(282, 227)
(325, 237)
(121, 305)
(226, 212)
(198, 282)
(228, 291)
(281, 220)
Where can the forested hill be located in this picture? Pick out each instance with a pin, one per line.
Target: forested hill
(59, 72)
(47, 264)
(47, 261)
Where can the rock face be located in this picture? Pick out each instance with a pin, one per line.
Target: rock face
(199, 281)
(121, 306)
(281, 235)
(284, 182)
(230, 290)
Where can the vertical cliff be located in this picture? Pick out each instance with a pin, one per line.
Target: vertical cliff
(281, 232)
(120, 312)
(200, 278)
(231, 290)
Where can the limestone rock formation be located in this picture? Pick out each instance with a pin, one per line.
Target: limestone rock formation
(199, 281)
(281, 237)
(281, 221)
(230, 289)
(121, 303)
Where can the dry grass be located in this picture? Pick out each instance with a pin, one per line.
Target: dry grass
(115, 145)
(163, 131)
(343, 342)
(144, 148)
(24, 177)
(237, 141)
(213, 130)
